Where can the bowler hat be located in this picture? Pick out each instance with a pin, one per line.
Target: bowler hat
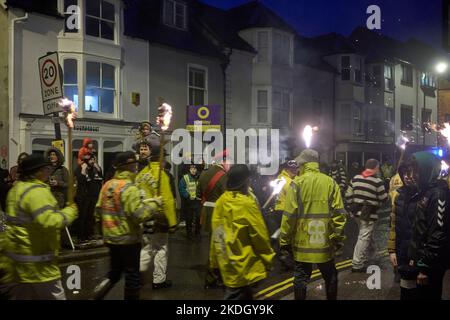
(124, 158)
(237, 176)
(32, 163)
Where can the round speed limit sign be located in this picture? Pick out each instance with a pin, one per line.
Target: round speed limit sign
(49, 72)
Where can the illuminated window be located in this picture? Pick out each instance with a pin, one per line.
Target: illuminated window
(100, 88)
(71, 81)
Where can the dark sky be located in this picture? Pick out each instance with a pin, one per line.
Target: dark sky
(401, 19)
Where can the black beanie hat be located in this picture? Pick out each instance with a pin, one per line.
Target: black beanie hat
(237, 176)
(124, 158)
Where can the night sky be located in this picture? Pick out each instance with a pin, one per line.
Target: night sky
(401, 19)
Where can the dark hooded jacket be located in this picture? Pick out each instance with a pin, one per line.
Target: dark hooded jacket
(61, 175)
(429, 246)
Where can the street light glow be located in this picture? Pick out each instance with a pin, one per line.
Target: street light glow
(441, 67)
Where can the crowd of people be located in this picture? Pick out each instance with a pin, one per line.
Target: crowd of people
(134, 211)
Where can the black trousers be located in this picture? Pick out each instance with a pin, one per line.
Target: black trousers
(242, 293)
(192, 216)
(84, 227)
(302, 275)
(125, 259)
(432, 291)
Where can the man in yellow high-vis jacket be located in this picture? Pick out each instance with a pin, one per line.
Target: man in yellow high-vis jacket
(313, 225)
(33, 226)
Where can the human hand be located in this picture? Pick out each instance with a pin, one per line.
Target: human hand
(422, 279)
(393, 258)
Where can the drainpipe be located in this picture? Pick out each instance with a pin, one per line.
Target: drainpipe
(11, 77)
(224, 65)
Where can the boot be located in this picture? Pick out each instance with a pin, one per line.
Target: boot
(132, 293)
(331, 290)
(102, 289)
(300, 293)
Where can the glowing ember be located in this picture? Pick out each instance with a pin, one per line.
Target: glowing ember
(165, 116)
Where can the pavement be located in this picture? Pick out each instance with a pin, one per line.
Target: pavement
(187, 268)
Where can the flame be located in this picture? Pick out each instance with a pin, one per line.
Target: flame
(165, 116)
(308, 134)
(446, 131)
(277, 185)
(402, 141)
(69, 110)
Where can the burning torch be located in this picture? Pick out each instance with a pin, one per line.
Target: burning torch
(402, 141)
(69, 117)
(308, 133)
(163, 120)
(277, 186)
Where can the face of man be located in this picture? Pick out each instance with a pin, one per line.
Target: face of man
(53, 157)
(144, 151)
(193, 170)
(91, 162)
(90, 146)
(146, 130)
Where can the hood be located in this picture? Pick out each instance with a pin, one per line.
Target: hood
(311, 167)
(428, 167)
(368, 173)
(86, 141)
(58, 153)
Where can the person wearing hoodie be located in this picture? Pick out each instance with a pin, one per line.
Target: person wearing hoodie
(240, 246)
(365, 195)
(89, 183)
(429, 247)
(88, 147)
(59, 176)
(404, 208)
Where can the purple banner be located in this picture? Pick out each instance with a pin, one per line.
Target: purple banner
(207, 116)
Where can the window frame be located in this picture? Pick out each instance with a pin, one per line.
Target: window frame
(258, 47)
(77, 85)
(347, 69)
(205, 70)
(406, 81)
(389, 82)
(100, 20)
(389, 118)
(174, 17)
(410, 126)
(359, 110)
(115, 90)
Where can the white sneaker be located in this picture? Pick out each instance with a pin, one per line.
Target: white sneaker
(182, 224)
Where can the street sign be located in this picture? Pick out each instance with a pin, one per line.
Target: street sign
(51, 86)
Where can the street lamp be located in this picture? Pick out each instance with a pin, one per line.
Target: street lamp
(441, 67)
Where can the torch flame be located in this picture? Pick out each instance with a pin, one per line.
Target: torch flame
(446, 131)
(402, 142)
(277, 185)
(165, 116)
(308, 134)
(69, 110)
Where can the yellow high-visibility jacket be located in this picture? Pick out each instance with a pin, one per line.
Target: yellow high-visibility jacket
(240, 245)
(33, 226)
(314, 218)
(281, 200)
(147, 181)
(122, 209)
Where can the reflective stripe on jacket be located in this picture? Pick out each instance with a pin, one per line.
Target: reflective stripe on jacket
(122, 209)
(33, 231)
(314, 217)
(240, 245)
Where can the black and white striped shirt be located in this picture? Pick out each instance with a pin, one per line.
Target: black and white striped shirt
(368, 190)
